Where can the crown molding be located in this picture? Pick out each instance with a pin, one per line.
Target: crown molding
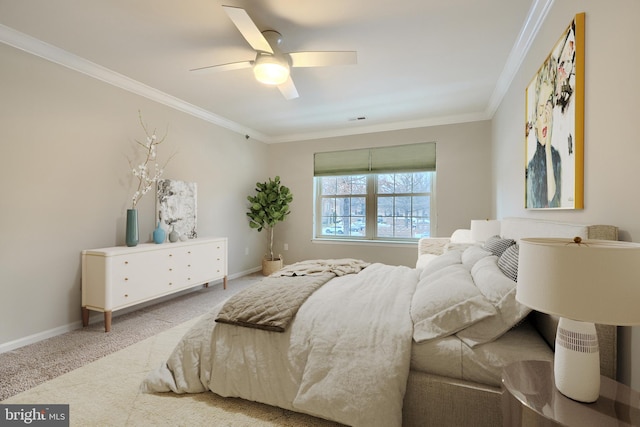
(388, 127)
(74, 62)
(536, 16)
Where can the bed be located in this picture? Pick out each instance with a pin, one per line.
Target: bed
(379, 345)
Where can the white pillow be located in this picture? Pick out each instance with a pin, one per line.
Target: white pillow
(441, 261)
(461, 235)
(457, 246)
(445, 302)
(472, 255)
(501, 292)
(424, 260)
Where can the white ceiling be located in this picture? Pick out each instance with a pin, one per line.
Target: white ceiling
(420, 62)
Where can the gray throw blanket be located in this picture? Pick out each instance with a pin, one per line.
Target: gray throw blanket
(339, 267)
(272, 303)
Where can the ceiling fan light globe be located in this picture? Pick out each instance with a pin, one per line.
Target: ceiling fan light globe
(271, 71)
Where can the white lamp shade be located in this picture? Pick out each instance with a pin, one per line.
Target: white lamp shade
(482, 229)
(593, 281)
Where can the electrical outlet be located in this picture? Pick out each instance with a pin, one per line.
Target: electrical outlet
(286, 246)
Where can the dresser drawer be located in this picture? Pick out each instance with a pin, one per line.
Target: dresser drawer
(207, 262)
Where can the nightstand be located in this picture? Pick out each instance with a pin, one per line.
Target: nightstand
(530, 398)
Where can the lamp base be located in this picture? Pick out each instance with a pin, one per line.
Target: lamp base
(577, 360)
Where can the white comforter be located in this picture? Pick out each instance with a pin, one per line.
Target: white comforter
(348, 364)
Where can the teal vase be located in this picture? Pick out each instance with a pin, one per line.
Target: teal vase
(159, 234)
(132, 227)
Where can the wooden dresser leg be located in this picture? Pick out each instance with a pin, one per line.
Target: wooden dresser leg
(85, 316)
(107, 321)
(224, 282)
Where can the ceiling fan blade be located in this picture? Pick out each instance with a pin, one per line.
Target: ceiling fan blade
(247, 28)
(223, 67)
(288, 89)
(323, 59)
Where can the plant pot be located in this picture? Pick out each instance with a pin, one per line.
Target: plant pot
(269, 267)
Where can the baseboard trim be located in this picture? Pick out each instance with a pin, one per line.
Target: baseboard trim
(50, 333)
(245, 272)
(32, 339)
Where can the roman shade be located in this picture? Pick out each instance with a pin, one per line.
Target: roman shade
(398, 158)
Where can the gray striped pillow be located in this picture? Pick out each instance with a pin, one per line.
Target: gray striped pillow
(496, 245)
(508, 262)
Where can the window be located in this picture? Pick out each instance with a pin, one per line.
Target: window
(375, 194)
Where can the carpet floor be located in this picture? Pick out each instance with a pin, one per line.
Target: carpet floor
(28, 366)
(107, 393)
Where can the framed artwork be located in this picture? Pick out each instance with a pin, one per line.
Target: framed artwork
(177, 207)
(554, 130)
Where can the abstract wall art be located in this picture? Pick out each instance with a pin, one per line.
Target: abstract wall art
(177, 207)
(554, 129)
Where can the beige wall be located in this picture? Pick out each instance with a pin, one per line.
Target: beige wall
(462, 193)
(611, 141)
(65, 137)
(64, 143)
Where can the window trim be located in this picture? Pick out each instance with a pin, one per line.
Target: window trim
(371, 201)
(372, 162)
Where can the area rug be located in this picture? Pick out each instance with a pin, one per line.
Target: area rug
(28, 366)
(106, 393)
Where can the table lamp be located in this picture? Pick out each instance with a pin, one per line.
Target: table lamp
(482, 229)
(583, 282)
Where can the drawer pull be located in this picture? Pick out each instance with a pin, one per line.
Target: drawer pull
(171, 269)
(170, 255)
(188, 265)
(126, 295)
(126, 279)
(126, 262)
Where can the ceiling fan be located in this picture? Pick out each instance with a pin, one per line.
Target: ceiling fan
(271, 66)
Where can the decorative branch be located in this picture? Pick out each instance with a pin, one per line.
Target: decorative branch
(146, 177)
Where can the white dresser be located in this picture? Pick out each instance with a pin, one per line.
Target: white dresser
(119, 277)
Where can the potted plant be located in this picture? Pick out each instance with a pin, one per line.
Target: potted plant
(269, 206)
